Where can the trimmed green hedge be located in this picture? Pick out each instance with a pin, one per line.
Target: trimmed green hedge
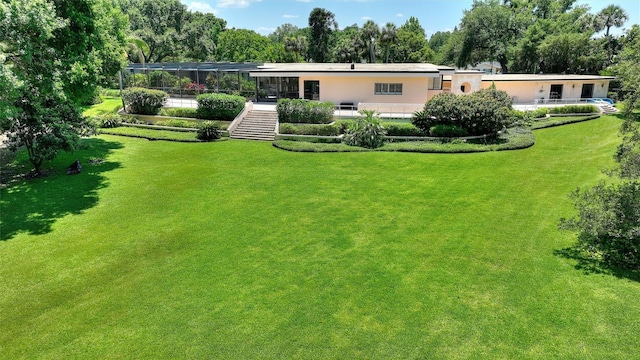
(179, 112)
(402, 129)
(144, 101)
(575, 109)
(304, 111)
(219, 106)
(310, 129)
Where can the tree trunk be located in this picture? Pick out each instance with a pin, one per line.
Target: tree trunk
(503, 64)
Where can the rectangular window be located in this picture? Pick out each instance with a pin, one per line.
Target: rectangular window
(388, 89)
(435, 83)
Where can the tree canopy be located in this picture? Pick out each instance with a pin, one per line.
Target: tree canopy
(49, 54)
(322, 23)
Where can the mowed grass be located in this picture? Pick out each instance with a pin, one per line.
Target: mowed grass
(109, 105)
(238, 250)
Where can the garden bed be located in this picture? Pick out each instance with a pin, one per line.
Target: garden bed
(561, 120)
(511, 139)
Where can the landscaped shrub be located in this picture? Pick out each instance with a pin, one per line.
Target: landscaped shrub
(309, 129)
(501, 97)
(539, 113)
(483, 112)
(144, 101)
(209, 131)
(368, 131)
(344, 124)
(447, 131)
(574, 109)
(402, 129)
(219, 106)
(179, 112)
(304, 111)
(107, 121)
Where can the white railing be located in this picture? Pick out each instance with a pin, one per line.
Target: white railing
(180, 103)
(594, 101)
(386, 110)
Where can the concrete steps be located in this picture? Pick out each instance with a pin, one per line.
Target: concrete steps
(608, 109)
(257, 125)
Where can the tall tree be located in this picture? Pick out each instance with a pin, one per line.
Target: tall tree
(240, 45)
(35, 74)
(369, 33)
(412, 45)
(564, 53)
(322, 23)
(610, 16)
(200, 33)
(297, 45)
(628, 69)
(283, 31)
(388, 37)
(159, 24)
(488, 31)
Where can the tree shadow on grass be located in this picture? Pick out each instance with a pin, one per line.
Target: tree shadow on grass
(590, 265)
(33, 206)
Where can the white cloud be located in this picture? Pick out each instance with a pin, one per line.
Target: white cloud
(399, 15)
(365, 18)
(304, 1)
(287, 16)
(235, 3)
(201, 6)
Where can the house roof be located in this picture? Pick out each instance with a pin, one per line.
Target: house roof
(351, 69)
(543, 77)
(194, 66)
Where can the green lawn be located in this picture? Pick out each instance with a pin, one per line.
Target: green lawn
(239, 250)
(109, 105)
(151, 133)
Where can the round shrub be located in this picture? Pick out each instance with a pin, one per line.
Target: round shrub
(144, 101)
(483, 112)
(209, 131)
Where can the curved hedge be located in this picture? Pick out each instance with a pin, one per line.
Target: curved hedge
(144, 101)
(219, 106)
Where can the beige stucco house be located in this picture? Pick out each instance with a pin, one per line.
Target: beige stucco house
(366, 84)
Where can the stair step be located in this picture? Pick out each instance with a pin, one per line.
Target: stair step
(257, 125)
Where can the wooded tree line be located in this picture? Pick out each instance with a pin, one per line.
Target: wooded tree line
(523, 36)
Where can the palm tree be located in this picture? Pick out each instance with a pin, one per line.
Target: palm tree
(612, 15)
(343, 51)
(358, 44)
(369, 33)
(388, 37)
(136, 48)
(296, 44)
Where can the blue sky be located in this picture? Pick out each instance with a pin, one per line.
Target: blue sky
(263, 16)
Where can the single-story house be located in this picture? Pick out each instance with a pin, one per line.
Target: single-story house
(549, 88)
(351, 83)
(414, 83)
